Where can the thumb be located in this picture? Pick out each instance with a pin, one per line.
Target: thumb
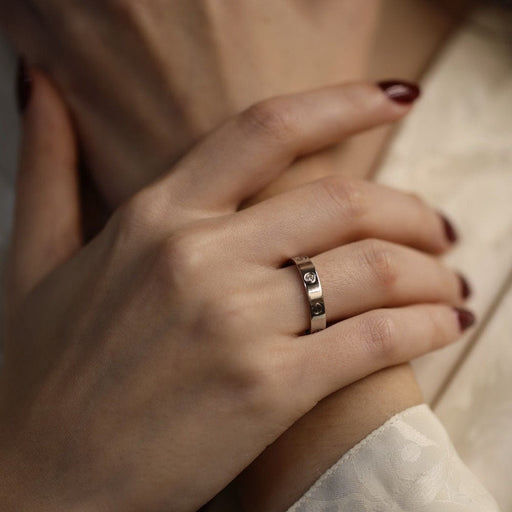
(47, 226)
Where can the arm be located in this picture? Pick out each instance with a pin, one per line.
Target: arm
(289, 467)
(137, 168)
(131, 368)
(286, 470)
(408, 463)
(172, 70)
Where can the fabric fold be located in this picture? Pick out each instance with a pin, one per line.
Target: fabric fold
(408, 464)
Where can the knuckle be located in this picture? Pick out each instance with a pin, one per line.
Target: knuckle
(417, 200)
(187, 269)
(380, 336)
(243, 369)
(260, 379)
(420, 210)
(436, 328)
(360, 98)
(346, 197)
(380, 258)
(272, 119)
(425, 216)
(179, 261)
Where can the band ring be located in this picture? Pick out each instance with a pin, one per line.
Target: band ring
(314, 294)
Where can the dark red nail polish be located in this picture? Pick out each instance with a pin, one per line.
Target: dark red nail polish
(450, 231)
(466, 318)
(23, 86)
(465, 287)
(400, 91)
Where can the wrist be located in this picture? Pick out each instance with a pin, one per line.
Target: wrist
(288, 468)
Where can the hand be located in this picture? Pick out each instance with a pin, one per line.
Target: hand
(147, 369)
(172, 70)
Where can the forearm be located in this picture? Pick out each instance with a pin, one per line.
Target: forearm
(171, 71)
(285, 471)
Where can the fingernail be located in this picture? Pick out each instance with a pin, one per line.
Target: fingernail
(400, 91)
(450, 231)
(465, 287)
(466, 318)
(23, 86)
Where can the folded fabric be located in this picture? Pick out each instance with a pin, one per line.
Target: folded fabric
(408, 464)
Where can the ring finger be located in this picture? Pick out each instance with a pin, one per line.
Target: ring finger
(362, 276)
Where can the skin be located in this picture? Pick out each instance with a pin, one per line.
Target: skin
(162, 87)
(297, 459)
(85, 396)
(171, 70)
(284, 472)
(125, 161)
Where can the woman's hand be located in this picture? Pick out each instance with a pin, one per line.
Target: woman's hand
(173, 70)
(147, 369)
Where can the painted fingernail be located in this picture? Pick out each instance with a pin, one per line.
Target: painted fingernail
(23, 86)
(400, 91)
(465, 287)
(466, 318)
(450, 231)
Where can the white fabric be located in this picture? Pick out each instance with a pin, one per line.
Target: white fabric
(408, 464)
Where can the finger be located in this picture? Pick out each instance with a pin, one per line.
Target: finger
(47, 215)
(251, 149)
(362, 276)
(361, 345)
(335, 211)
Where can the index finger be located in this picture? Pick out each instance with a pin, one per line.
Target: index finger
(250, 150)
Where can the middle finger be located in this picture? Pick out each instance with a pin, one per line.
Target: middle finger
(334, 211)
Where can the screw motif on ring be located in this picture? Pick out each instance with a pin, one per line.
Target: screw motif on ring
(314, 293)
(310, 278)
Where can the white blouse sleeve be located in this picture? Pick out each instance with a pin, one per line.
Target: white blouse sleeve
(408, 464)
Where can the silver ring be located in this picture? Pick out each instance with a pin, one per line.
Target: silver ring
(314, 294)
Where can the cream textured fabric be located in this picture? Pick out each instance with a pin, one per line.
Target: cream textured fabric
(408, 464)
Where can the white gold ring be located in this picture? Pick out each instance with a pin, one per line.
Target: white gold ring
(314, 294)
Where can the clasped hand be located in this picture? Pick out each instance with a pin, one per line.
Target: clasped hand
(147, 369)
